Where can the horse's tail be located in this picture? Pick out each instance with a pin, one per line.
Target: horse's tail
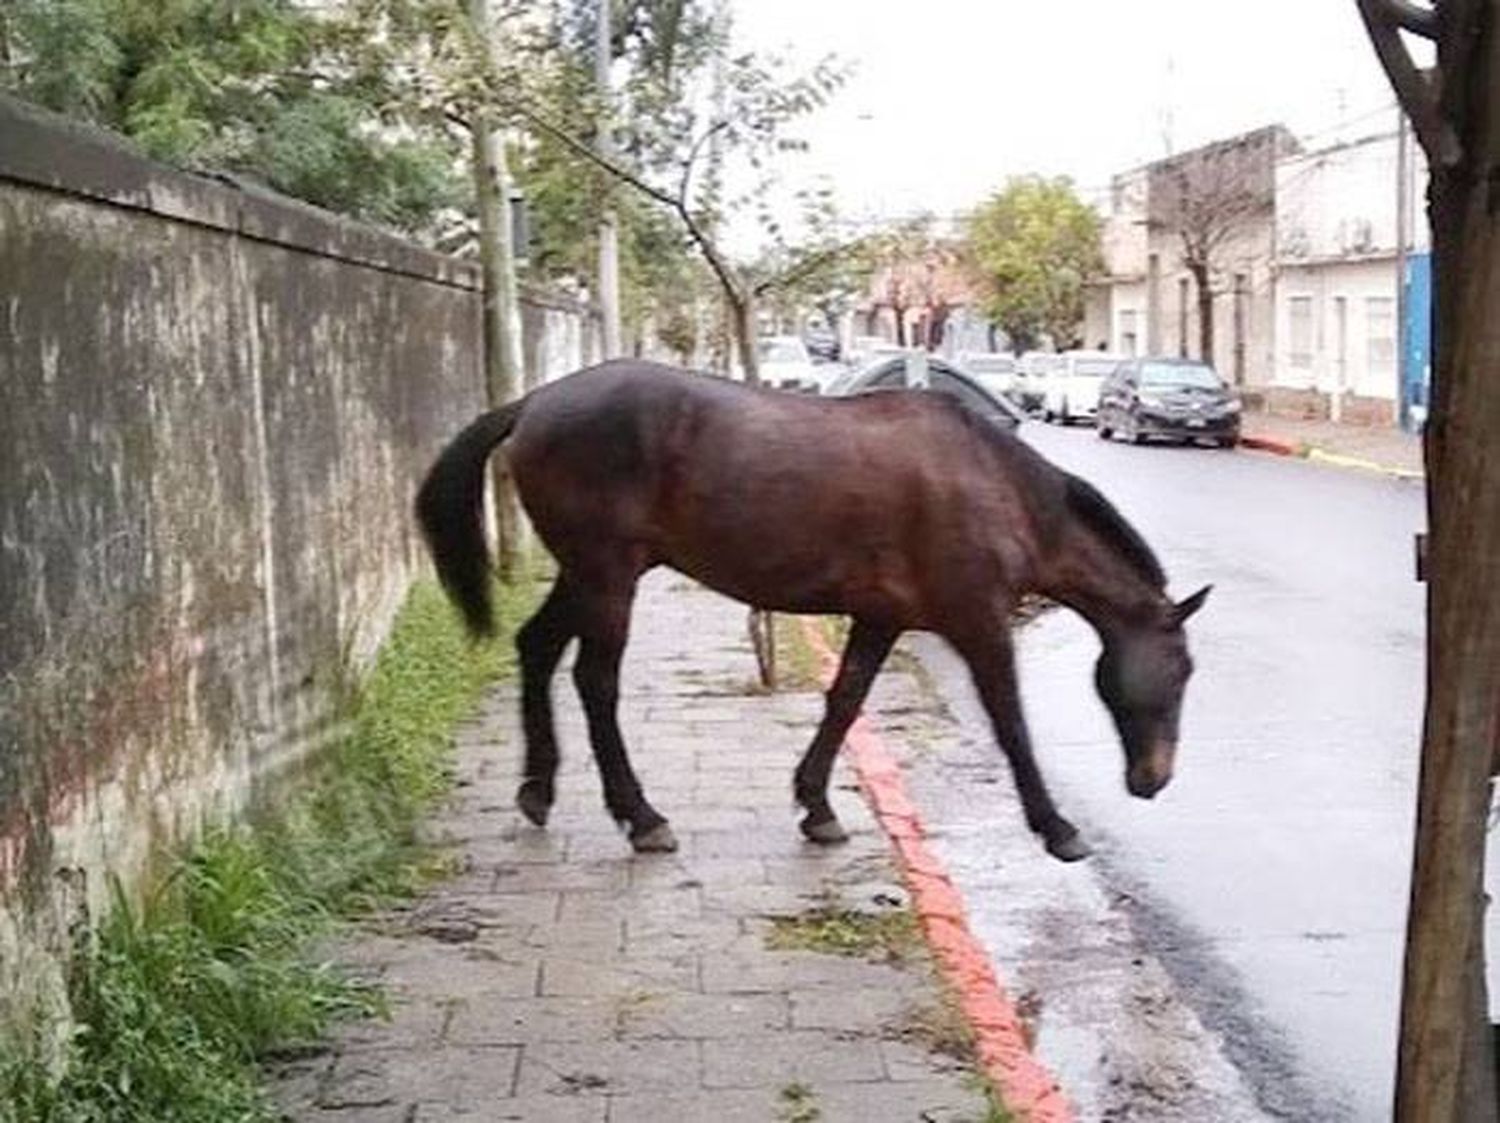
(450, 511)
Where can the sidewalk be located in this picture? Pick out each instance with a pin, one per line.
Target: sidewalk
(558, 977)
(1374, 448)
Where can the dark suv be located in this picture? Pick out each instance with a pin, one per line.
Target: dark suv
(1176, 398)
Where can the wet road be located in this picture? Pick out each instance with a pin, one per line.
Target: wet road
(1270, 879)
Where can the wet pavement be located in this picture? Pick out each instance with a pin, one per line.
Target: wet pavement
(1269, 881)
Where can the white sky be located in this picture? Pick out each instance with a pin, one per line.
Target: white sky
(950, 97)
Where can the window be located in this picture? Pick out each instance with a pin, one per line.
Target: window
(1380, 322)
(1128, 332)
(1300, 332)
(1198, 375)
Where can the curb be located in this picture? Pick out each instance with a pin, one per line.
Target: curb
(1269, 444)
(1323, 456)
(1024, 1084)
(1339, 460)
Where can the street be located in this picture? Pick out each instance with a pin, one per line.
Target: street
(1270, 879)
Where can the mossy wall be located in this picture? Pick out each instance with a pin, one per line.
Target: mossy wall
(215, 406)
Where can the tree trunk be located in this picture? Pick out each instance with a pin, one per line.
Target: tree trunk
(742, 321)
(1205, 294)
(1446, 1066)
(900, 313)
(502, 328)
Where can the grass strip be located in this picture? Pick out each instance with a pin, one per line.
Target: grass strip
(177, 997)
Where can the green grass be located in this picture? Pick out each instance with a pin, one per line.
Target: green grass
(179, 996)
(891, 936)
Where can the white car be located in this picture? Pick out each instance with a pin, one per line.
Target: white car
(864, 349)
(1072, 389)
(786, 364)
(995, 371)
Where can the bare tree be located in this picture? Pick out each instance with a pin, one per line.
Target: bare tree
(1215, 199)
(1446, 1062)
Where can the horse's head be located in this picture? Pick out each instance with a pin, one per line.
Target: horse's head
(1141, 676)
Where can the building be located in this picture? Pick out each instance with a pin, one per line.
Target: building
(1189, 240)
(1338, 298)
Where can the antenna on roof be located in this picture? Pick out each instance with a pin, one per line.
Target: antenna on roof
(1168, 108)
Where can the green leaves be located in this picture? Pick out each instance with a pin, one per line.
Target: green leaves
(264, 88)
(1034, 244)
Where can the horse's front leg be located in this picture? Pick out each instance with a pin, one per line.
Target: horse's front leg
(991, 660)
(864, 653)
(603, 617)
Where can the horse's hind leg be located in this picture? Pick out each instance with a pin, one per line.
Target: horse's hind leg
(540, 644)
(603, 616)
(864, 653)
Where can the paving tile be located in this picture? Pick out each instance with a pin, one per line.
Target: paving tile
(776, 1059)
(558, 977)
(610, 1068)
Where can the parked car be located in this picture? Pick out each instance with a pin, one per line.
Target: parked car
(1072, 388)
(1177, 398)
(865, 349)
(822, 344)
(1031, 378)
(891, 372)
(993, 370)
(786, 364)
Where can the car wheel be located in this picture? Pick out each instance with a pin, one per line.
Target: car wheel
(1103, 431)
(1228, 442)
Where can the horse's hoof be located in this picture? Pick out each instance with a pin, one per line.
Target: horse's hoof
(533, 804)
(657, 840)
(1071, 848)
(825, 832)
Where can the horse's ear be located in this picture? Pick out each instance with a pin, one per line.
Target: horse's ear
(1181, 611)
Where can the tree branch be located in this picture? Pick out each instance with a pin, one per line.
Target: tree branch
(580, 148)
(1411, 17)
(1413, 90)
(692, 158)
(793, 273)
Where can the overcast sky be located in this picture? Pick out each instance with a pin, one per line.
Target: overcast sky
(949, 97)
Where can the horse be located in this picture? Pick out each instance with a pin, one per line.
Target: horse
(901, 510)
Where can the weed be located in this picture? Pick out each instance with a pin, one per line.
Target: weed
(891, 936)
(177, 996)
(798, 1104)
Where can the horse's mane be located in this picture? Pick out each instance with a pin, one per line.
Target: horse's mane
(1099, 514)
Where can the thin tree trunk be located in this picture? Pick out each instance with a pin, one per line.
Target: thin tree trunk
(1205, 295)
(502, 333)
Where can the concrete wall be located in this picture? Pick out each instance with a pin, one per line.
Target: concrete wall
(214, 409)
(1345, 360)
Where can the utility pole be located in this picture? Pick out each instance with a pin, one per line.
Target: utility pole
(609, 234)
(1403, 239)
(501, 313)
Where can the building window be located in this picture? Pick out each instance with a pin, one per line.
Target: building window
(1300, 332)
(1129, 333)
(1380, 322)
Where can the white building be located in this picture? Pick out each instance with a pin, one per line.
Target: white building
(1337, 302)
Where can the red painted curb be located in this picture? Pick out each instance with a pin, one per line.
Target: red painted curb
(1269, 444)
(1024, 1084)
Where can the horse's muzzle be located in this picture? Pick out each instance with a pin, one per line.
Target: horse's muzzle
(1152, 772)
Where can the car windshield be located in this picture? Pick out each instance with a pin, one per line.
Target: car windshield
(1180, 374)
(1095, 368)
(780, 351)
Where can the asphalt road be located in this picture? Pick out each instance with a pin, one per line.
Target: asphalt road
(1270, 879)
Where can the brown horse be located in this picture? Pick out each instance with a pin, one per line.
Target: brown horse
(901, 510)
